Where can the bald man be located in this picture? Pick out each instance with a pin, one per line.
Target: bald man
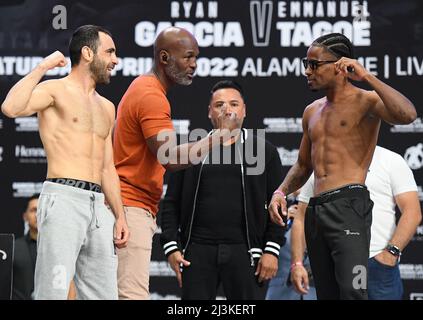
(145, 146)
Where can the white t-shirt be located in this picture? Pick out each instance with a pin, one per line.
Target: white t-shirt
(388, 176)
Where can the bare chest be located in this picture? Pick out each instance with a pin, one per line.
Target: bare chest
(83, 114)
(334, 123)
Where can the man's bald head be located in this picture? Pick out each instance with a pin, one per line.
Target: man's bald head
(172, 39)
(175, 53)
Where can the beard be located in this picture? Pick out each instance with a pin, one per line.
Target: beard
(99, 72)
(175, 74)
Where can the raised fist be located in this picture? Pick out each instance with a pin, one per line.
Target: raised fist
(56, 59)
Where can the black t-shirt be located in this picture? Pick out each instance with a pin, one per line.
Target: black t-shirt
(219, 215)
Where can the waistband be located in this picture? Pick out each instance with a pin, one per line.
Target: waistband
(334, 194)
(81, 184)
(72, 192)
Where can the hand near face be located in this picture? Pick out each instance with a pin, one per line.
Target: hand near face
(228, 123)
(351, 68)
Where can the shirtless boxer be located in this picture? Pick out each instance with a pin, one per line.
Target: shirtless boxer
(340, 135)
(77, 233)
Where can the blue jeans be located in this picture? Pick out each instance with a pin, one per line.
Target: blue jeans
(384, 282)
(278, 288)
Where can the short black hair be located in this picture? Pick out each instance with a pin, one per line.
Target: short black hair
(228, 84)
(87, 35)
(335, 43)
(34, 196)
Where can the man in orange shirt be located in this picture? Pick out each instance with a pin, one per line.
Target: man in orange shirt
(143, 119)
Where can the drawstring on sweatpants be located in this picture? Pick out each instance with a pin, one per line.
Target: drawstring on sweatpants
(94, 218)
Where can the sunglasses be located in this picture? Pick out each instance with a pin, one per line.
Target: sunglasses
(314, 64)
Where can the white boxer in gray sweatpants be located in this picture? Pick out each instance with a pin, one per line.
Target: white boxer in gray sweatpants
(75, 241)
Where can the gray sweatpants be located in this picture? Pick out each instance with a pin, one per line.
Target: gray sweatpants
(75, 241)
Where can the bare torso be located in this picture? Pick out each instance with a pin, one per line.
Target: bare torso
(73, 132)
(343, 137)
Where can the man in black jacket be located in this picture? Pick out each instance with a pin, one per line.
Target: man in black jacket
(215, 228)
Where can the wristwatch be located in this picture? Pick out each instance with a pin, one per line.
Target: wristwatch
(394, 250)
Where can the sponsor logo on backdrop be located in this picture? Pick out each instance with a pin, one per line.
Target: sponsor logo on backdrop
(26, 189)
(161, 269)
(288, 157)
(234, 66)
(411, 271)
(181, 126)
(276, 125)
(284, 24)
(287, 22)
(416, 296)
(26, 154)
(1, 123)
(261, 22)
(26, 124)
(420, 192)
(416, 126)
(293, 24)
(1, 154)
(419, 234)
(414, 156)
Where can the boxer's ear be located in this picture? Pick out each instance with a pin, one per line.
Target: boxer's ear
(87, 53)
(164, 56)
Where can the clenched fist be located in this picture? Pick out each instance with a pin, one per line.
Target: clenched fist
(56, 59)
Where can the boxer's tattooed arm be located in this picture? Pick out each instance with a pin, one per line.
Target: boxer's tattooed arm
(389, 104)
(300, 172)
(297, 176)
